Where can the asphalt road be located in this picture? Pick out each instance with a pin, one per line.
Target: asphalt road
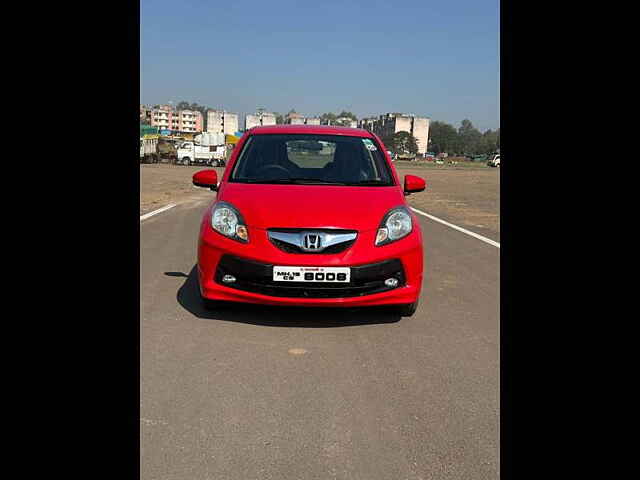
(274, 393)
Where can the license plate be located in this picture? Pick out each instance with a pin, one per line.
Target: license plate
(312, 274)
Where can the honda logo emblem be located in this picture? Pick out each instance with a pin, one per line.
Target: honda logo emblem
(311, 241)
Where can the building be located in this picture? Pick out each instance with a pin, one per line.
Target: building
(251, 121)
(294, 119)
(145, 114)
(367, 123)
(162, 117)
(167, 118)
(421, 133)
(347, 122)
(341, 121)
(268, 119)
(260, 118)
(219, 121)
(297, 119)
(190, 121)
(388, 124)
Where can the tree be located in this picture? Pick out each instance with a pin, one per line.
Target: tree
(489, 142)
(402, 142)
(444, 137)
(332, 118)
(470, 137)
(467, 139)
(347, 115)
(328, 118)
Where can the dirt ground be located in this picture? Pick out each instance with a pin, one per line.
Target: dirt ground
(161, 184)
(467, 197)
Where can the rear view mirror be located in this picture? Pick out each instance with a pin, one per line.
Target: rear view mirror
(413, 184)
(206, 179)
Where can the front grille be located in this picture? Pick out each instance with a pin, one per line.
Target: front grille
(291, 248)
(258, 278)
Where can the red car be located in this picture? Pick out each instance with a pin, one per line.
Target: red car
(310, 216)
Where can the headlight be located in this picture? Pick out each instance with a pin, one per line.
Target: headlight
(395, 225)
(226, 219)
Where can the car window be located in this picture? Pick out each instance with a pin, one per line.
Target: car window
(316, 159)
(310, 153)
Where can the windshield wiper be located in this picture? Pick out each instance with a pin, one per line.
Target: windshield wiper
(293, 181)
(370, 182)
(304, 180)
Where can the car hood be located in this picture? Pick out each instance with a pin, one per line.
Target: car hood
(311, 206)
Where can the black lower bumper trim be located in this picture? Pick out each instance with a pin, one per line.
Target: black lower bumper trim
(257, 277)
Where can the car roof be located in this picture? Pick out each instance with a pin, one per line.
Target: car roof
(309, 129)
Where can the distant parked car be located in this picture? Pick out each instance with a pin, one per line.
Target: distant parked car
(495, 161)
(216, 162)
(406, 156)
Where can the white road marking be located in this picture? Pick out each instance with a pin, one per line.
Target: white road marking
(455, 227)
(160, 210)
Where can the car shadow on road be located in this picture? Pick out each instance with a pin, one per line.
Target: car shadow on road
(188, 297)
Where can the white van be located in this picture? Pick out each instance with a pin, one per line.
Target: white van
(190, 153)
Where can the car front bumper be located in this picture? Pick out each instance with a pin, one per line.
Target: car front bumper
(252, 265)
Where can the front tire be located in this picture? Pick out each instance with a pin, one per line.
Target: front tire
(186, 161)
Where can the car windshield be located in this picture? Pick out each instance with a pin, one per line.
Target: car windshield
(311, 160)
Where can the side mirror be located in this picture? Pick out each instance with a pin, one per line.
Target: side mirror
(413, 184)
(206, 179)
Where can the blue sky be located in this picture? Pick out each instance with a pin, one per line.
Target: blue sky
(439, 58)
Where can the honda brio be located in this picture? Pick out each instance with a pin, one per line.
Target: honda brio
(310, 216)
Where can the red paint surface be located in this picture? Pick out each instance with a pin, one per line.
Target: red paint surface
(207, 178)
(414, 184)
(310, 206)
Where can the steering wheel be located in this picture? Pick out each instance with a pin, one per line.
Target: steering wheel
(272, 167)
